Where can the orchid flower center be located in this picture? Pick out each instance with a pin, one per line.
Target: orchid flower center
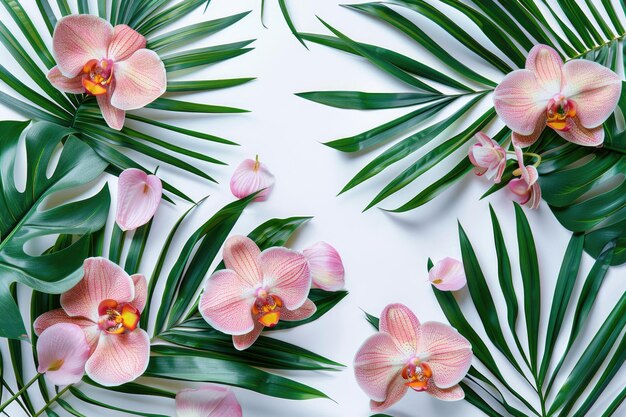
(267, 308)
(417, 374)
(559, 110)
(97, 75)
(117, 318)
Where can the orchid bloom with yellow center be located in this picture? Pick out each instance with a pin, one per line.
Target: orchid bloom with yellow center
(574, 98)
(256, 290)
(108, 62)
(425, 357)
(106, 304)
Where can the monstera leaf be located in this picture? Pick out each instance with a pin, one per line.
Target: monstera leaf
(26, 217)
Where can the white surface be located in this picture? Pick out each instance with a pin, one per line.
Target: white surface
(385, 255)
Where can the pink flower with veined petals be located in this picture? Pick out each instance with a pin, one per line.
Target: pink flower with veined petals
(256, 290)
(208, 401)
(106, 304)
(62, 351)
(574, 98)
(326, 267)
(526, 190)
(431, 357)
(488, 157)
(138, 197)
(108, 62)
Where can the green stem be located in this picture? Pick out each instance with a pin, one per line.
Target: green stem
(20, 392)
(52, 401)
(616, 39)
(19, 402)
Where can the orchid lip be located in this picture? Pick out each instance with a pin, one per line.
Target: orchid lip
(267, 308)
(117, 318)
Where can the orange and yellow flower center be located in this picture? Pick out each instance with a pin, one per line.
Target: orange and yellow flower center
(558, 111)
(417, 374)
(266, 308)
(117, 318)
(97, 75)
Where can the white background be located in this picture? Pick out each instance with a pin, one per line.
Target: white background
(384, 254)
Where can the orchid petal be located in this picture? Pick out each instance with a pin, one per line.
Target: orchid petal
(249, 177)
(519, 190)
(449, 353)
(141, 291)
(327, 271)
(286, 274)
(208, 401)
(307, 310)
(454, 393)
(535, 195)
(50, 318)
(524, 141)
(241, 255)
(113, 116)
(139, 80)
(580, 135)
(547, 65)
(397, 389)
(126, 41)
(62, 352)
(67, 85)
(448, 275)
(138, 197)
(400, 322)
(244, 341)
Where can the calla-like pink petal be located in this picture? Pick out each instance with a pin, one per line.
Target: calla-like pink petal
(50, 318)
(208, 401)
(78, 39)
(400, 322)
(307, 310)
(103, 280)
(377, 364)
(454, 393)
(326, 267)
(113, 116)
(226, 303)
(286, 274)
(62, 351)
(138, 197)
(594, 88)
(448, 275)
(139, 80)
(126, 41)
(580, 135)
(547, 66)
(65, 84)
(449, 353)
(141, 291)
(119, 359)
(519, 190)
(241, 255)
(244, 341)
(397, 389)
(249, 177)
(520, 101)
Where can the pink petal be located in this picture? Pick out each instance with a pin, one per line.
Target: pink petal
(113, 116)
(119, 359)
(594, 88)
(103, 280)
(249, 177)
(547, 66)
(307, 310)
(523, 141)
(241, 255)
(126, 42)
(89, 328)
(454, 393)
(67, 85)
(377, 364)
(519, 190)
(449, 353)
(226, 303)
(580, 135)
(448, 275)
(535, 195)
(286, 274)
(400, 322)
(141, 291)
(520, 101)
(326, 266)
(139, 80)
(244, 341)
(78, 39)
(138, 197)
(395, 392)
(62, 351)
(208, 401)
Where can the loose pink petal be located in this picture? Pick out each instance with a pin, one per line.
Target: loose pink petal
(397, 389)
(62, 351)
(103, 280)
(244, 341)
(226, 303)
(377, 364)
(454, 393)
(286, 274)
(208, 401)
(141, 291)
(249, 177)
(241, 255)
(89, 328)
(307, 310)
(113, 116)
(65, 84)
(594, 88)
(138, 197)
(449, 353)
(547, 66)
(78, 39)
(524, 141)
(326, 267)
(400, 322)
(139, 80)
(580, 135)
(448, 275)
(119, 358)
(126, 42)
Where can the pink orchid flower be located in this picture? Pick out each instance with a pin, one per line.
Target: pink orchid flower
(526, 190)
(430, 357)
(62, 351)
(108, 62)
(574, 98)
(106, 304)
(208, 401)
(326, 267)
(138, 197)
(488, 157)
(448, 275)
(256, 290)
(252, 176)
